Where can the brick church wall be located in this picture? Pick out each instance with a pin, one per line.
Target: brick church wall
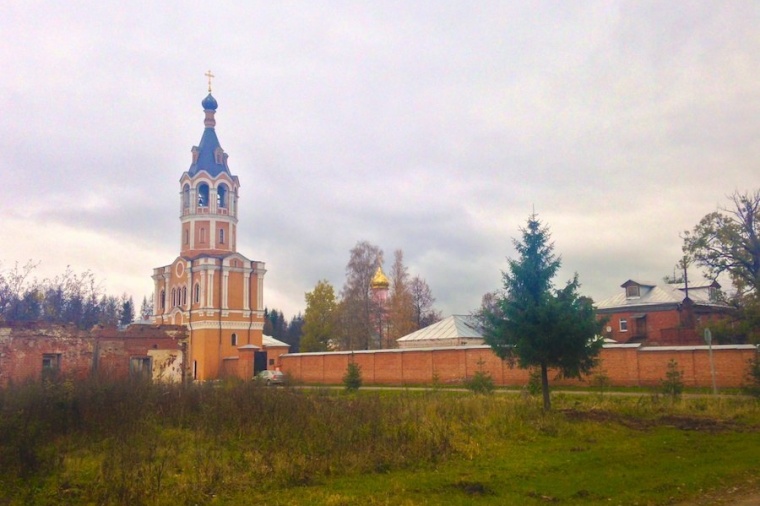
(625, 365)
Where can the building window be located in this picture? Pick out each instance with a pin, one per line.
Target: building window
(221, 236)
(51, 363)
(163, 299)
(186, 196)
(632, 291)
(623, 324)
(184, 295)
(187, 237)
(233, 340)
(197, 293)
(271, 361)
(174, 297)
(203, 235)
(140, 368)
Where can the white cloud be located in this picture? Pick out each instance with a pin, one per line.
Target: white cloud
(431, 127)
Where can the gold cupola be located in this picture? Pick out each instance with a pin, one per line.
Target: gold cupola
(379, 280)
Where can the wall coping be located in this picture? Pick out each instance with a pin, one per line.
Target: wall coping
(703, 347)
(486, 347)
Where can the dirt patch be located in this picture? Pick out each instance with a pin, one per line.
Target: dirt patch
(680, 422)
(473, 488)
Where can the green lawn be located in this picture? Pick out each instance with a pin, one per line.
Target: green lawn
(242, 444)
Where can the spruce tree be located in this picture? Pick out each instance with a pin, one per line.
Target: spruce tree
(535, 325)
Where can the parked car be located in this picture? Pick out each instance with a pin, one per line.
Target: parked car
(271, 378)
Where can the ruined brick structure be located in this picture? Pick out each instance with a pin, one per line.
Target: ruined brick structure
(31, 350)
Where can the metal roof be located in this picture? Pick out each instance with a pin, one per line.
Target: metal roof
(452, 327)
(270, 342)
(659, 295)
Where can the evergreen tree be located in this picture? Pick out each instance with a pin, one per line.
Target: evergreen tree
(295, 331)
(146, 308)
(535, 325)
(127, 310)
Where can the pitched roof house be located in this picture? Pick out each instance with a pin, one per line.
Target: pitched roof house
(456, 330)
(666, 314)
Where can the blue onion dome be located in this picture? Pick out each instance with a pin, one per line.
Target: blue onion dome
(209, 103)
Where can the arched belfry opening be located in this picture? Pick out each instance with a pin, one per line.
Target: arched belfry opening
(203, 195)
(222, 196)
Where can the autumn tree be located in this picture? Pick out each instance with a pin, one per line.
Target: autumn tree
(319, 319)
(357, 305)
(400, 305)
(728, 241)
(535, 324)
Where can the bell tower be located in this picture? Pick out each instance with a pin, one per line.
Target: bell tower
(211, 288)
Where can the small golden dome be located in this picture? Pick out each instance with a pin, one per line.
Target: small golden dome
(379, 280)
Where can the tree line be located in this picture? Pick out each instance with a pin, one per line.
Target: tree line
(276, 325)
(67, 298)
(358, 318)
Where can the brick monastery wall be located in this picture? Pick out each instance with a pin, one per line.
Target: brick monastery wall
(625, 365)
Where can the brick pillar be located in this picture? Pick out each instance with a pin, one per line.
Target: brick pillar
(246, 355)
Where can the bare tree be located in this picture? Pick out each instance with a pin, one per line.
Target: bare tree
(357, 305)
(422, 303)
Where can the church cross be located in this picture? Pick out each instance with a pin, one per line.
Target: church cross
(210, 76)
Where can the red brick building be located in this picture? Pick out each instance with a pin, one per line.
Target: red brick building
(668, 314)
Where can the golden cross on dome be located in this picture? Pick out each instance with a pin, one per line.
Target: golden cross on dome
(210, 76)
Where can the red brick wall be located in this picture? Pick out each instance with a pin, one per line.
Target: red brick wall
(624, 365)
(102, 351)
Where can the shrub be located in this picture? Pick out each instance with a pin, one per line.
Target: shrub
(752, 381)
(480, 383)
(353, 377)
(601, 382)
(672, 385)
(534, 382)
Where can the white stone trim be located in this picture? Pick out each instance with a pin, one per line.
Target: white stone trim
(215, 324)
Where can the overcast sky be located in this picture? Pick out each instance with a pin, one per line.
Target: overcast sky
(433, 127)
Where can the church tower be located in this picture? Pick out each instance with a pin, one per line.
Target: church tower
(210, 287)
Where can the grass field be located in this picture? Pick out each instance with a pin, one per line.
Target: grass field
(237, 443)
